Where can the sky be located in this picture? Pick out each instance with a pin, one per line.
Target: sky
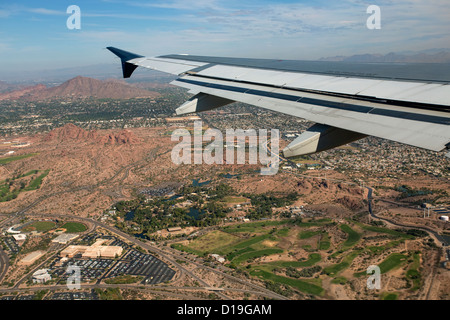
(34, 34)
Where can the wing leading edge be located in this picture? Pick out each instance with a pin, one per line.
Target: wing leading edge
(346, 106)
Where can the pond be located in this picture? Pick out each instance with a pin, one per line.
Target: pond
(129, 216)
(195, 213)
(229, 175)
(196, 183)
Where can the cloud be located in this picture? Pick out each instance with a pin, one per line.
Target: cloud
(300, 30)
(8, 10)
(44, 11)
(172, 4)
(252, 28)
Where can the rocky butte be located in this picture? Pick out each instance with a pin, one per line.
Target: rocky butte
(70, 133)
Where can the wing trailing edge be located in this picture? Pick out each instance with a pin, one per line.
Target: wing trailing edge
(345, 106)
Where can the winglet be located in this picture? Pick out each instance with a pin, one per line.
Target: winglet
(127, 68)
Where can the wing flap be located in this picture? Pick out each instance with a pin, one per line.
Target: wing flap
(406, 91)
(166, 65)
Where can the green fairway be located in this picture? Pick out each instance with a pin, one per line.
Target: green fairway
(413, 273)
(10, 189)
(255, 254)
(380, 249)
(339, 280)
(384, 230)
(36, 183)
(15, 158)
(324, 242)
(353, 236)
(312, 260)
(314, 223)
(283, 232)
(245, 244)
(393, 261)
(251, 241)
(300, 285)
(344, 264)
(236, 253)
(389, 296)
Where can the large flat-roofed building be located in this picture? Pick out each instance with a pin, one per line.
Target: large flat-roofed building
(65, 238)
(31, 258)
(94, 251)
(20, 237)
(103, 251)
(183, 119)
(41, 276)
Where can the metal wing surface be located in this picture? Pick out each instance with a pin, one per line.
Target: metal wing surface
(406, 103)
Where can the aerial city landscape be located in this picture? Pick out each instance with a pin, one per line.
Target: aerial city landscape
(94, 187)
(95, 206)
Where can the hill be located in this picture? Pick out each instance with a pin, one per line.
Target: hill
(439, 57)
(72, 133)
(80, 87)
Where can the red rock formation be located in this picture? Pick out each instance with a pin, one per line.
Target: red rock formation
(70, 132)
(122, 137)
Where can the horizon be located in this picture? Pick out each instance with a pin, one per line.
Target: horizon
(112, 70)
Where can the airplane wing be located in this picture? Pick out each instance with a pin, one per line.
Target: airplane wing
(346, 101)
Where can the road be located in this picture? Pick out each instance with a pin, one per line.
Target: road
(4, 258)
(4, 264)
(169, 256)
(438, 237)
(443, 241)
(165, 290)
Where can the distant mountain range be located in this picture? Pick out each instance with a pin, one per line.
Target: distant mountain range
(7, 87)
(80, 87)
(98, 71)
(423, 57)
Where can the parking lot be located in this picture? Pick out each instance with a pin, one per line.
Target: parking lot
(132, 262)
(57, 296)
(90, 269)
(74, 296)
(136, 263)
(11, 244)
